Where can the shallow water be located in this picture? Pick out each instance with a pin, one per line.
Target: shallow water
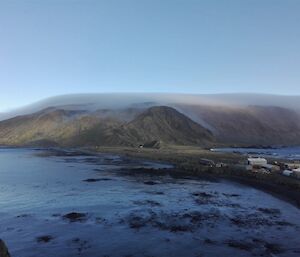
(127, 211)
(291, 153)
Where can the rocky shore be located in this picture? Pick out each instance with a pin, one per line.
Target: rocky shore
(187, 162)
(3, 249)
(146, 208)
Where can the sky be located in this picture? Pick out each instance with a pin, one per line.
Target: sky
(53, 47)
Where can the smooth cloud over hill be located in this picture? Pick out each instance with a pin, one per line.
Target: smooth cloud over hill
(155, 119)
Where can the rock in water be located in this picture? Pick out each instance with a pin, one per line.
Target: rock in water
(3, 250)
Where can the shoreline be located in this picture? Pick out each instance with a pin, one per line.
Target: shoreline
(284, 188)
(128, 199)
(293, 197)
(185, 161)
(284, 193)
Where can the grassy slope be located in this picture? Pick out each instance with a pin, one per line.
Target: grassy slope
(72, 129)
(252, 125)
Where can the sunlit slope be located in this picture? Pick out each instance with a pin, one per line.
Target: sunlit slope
(78, 128)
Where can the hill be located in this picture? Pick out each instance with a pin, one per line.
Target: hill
(130, 120)
(54, 126)
(168, 125)
(248, 125)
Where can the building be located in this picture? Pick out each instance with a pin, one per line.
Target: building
(206, 162)
(258, 161)
(221, 165)
(271, 167)
(287, 173)
(292, 165)
(296, 173)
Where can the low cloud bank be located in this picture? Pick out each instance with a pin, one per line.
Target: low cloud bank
(125, 100)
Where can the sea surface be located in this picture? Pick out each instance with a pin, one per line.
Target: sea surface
(56, 203)
(291, 153)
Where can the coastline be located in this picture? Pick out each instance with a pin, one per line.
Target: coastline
(125, 197)
(185, 161)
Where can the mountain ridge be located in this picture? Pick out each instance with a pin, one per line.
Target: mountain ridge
(74, 128)
(181, 124)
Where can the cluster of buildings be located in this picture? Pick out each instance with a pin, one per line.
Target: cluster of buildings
(292, 169)
(261, 165)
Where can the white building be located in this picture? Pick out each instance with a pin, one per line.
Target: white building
(287, 173)
(292, 165)
(257, 161)
(296, 173)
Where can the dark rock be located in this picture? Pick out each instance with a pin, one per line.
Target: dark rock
(242, 245)
(284, 223)
(171, 221)
(271, 211)
(150, 183)
(274, 248)
(268, 248)
(96, 179)
(155, 192)
(44, 239)
(231, 195)
(209, 241)
(81, 244)
(147, 202)
(23, 216)
(204, 198)
(255, 220)
(75, 216)
(3, 249)
(251, 221)
(203, 194)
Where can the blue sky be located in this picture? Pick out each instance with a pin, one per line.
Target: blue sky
(54, 47)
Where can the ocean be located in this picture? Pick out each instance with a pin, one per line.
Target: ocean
(72, 204)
